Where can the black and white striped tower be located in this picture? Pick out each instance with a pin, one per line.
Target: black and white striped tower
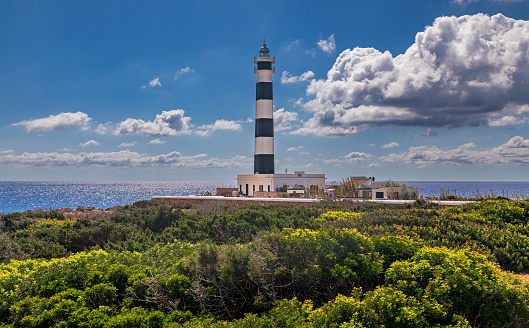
(264, 113)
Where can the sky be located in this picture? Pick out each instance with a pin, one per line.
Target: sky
(407, 90)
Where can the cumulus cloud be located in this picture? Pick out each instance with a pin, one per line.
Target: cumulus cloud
(327, 46)
(89, 143)
(168, 123)
(513, 152)
(56, 122)
(391, 145)
(286, 78)
(221, 124)
(507, 120)
(354, 157)
(124, 158)
(127, 144)
(373, 165)
(460, 71)
(182, 71)
(283, 119)
(157, 142)
(153, 83)
(104, 128)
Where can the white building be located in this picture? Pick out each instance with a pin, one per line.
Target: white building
(248, 183)
(369, 189)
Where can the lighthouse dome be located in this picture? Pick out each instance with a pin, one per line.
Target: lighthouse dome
(264, 48)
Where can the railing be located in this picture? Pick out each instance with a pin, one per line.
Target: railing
(273, 69)
(273, 58)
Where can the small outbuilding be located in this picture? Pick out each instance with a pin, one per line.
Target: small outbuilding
(295, 189)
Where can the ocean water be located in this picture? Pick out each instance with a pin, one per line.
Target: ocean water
(470, 189)
(18, 196)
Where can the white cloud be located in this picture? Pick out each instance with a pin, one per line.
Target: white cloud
(327, 46)
(460, 71)
(56, 122)
(507, 120)
(354, 157)
(466, 2)
(311, 52)
(153, 83)
(295, 148)
(127, 144)
(373, 165)
(292, 44)
(286, 78)
(182, 71)
(517, 109)
(168, 123)
(8, 151)
(221, 124)
(513, 152)
(283, 119)
(89, 143)
(66, 150)
(429, 133)
(157, 142)
(104, 128)
(391, 145)
(124, 158)
(304, 153)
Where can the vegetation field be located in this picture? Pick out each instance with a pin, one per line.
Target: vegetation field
(329, 265)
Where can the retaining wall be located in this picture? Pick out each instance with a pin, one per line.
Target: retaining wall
(187, 202)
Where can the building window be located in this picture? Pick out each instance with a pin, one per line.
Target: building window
(264, 65)
(253, 187)
(240, 188)
(268, 188)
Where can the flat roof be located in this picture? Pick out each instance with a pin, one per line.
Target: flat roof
(281, 176)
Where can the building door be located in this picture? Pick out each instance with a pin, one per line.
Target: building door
(246, 189)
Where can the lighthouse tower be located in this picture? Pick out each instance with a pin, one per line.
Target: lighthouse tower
(264, 182)
(264, 113)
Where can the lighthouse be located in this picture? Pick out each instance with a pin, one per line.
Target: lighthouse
(264, 182)
(264, 113)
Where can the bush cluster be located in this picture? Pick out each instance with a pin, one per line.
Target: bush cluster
(278, 266)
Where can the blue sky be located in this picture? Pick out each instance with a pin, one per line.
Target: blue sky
(164, 90)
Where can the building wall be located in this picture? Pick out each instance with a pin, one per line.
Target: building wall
(277, 181)
(225, 191)
(266, 194)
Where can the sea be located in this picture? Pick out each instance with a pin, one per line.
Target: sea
(19, 196)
